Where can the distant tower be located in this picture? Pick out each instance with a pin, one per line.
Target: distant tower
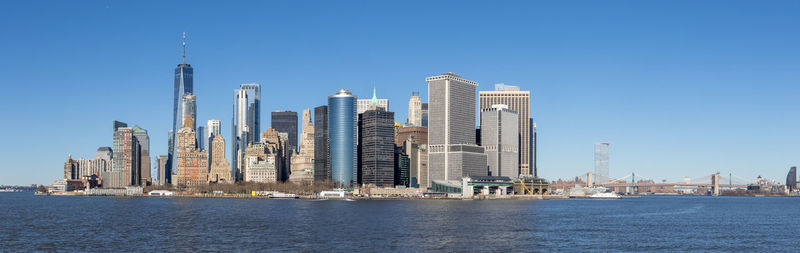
(144, 162)
(184, 76)
(415, 110)
(342, 119)
(246, 125)
(791, 178)
(364, 104)
(601, 150)
(302, 164)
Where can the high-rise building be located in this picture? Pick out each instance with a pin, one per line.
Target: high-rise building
(418, 164)
(303, 162)
(220, 169)
(191, 163)
(214, 128)
(144, 162)
(500, 139)
(791, 179)
(246, 125)
(376, 147)
(424, 114)
(102, 161)
(189, 108)
(365, 104)
(342, 125)
(126, 158)
(202, 137)
(601, 150)
(286, 122)
(184, 83)
(452, 153)
(71, 169)
(401, 167)
(520, 102)
(163, 175)
(532, 150)
(322, 159)
(414, 110)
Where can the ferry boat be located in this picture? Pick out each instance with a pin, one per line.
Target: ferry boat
(605, 195)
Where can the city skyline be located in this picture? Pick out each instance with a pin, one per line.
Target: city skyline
(643, 96)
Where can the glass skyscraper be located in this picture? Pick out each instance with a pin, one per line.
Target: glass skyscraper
(246, 125)
(342, 131)
(322, 159)
(286, 122)
(184, 83)
(601, 162)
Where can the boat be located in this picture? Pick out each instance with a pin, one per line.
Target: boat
(349, 200)
(605, 195)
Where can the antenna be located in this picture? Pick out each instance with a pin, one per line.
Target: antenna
(184, 47)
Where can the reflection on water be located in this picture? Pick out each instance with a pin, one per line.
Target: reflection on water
(189, 224)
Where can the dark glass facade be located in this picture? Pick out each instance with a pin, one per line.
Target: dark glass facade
(286, 122)
(184, 83)
(322, 159)
(376, 147)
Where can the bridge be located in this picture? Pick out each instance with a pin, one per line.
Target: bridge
(714, 181)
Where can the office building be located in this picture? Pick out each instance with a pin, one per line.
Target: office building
(402, 165)
(366, 104)
(322, 159)
(376, 147)
(202, 138)
(303, 162)
(71, 169)
(265, 159)
(500, 139)
(520, 102)
(286, 122)
(164, 177)
(125, 160)
(101, 161)
(144, 161)
(246, 125)
(414, 110)
(452, 149)
(418, 164)
(424, 116)
(419, 134)
(214, 128)
(342, 121)
(601, 150)
(219, 168)
(191, 163)
(183, 84)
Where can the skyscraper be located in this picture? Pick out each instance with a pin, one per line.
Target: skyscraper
(220, 171)
(189, 108)
(286, 122)
(376, 146)
(246, 125)
(303, 162)
(414, 110)
(102, 160)
(532, 150)
(342, 131)
(452, 152)
(791, 179)
(144, 162)
(520, 102)
(202, 138)
(184, 83)
(601, 150)
(322, 159)
(191, 163)
(500, 138)
(126, 159)
(214, 128)
(163, 176)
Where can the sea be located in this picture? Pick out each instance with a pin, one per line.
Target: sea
(156, 224)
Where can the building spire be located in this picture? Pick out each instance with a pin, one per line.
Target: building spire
(374, 100)
(184, 47)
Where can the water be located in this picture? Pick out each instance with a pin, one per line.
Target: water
(113, 224)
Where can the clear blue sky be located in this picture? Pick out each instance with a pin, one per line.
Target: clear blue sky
(679, 88)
